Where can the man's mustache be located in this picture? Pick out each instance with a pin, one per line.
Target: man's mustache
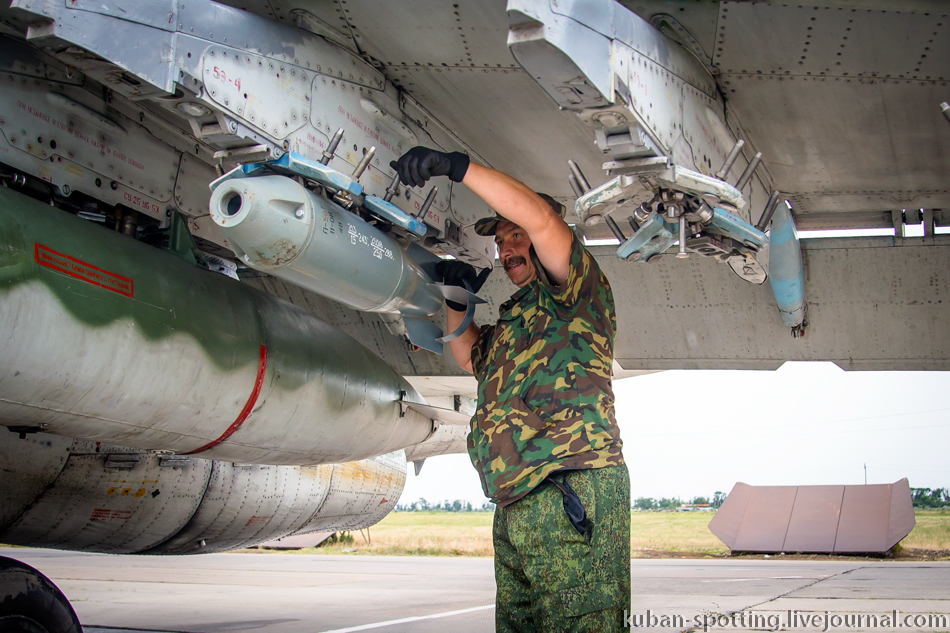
(514, 261)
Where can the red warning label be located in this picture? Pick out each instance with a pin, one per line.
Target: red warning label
(104, 514)
(81, 270)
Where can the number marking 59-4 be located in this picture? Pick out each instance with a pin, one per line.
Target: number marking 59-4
(220, 74)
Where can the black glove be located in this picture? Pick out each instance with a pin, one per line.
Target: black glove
(420, 164)
(456, 273)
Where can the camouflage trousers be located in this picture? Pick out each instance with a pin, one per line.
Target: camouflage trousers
(549, 578)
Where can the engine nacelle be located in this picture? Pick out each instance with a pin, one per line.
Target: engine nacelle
(79, 495)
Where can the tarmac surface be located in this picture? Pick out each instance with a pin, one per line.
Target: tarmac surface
(290, 593)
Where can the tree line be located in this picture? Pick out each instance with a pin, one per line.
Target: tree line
(446, 506)
(642, 503)
(665, 503)
(922, 498)
(930, 498)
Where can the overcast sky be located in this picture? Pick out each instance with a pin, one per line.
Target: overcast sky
(806, 423)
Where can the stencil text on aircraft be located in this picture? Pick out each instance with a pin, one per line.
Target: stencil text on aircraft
(78, 269)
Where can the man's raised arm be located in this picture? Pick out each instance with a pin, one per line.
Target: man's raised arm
(512, 199)
(547, 232)
(550, 235)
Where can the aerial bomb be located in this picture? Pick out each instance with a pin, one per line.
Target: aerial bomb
(275, 225)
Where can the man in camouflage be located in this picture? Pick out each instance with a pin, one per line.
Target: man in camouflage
(544, 438)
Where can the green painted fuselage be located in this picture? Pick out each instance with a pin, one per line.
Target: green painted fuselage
(106, 338)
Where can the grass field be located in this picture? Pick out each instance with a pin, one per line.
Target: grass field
(673, 532)
(422, 534)
(652, 534)
(932, 531)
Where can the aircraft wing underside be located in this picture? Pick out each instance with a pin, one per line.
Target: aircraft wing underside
(842, 100)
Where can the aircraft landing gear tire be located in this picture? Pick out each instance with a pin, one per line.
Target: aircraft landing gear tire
(31, 603)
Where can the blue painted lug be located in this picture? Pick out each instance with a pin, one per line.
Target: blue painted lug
(295, 164)
(396, 215)
(327, 176)
(786, 273)
(731, 226)
(653, 238)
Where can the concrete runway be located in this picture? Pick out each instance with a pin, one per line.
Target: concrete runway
(286, 593)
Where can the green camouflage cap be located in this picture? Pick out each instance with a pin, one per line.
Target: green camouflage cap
(487, 226)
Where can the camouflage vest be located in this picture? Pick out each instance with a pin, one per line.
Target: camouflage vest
(545, 401)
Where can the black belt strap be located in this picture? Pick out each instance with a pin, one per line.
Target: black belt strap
(573, 507)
